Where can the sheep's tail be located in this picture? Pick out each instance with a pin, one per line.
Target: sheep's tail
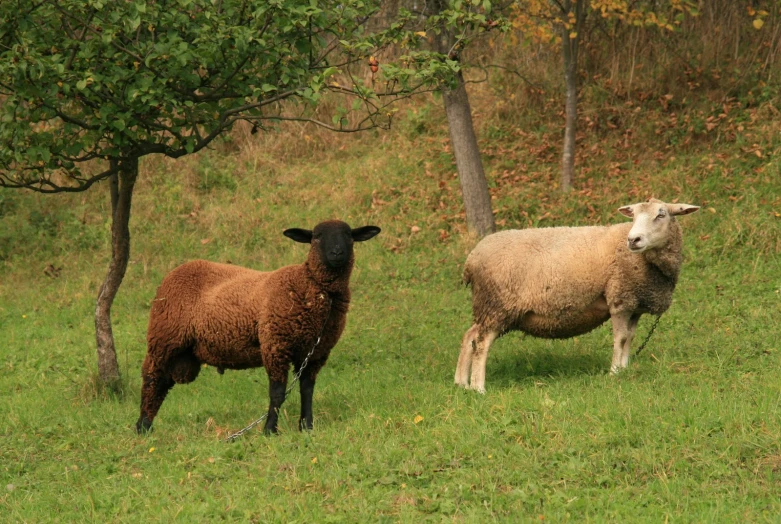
(467, 277)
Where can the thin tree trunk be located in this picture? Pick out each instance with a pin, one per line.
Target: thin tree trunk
(570, 48)
(121, 186)
(474, 187)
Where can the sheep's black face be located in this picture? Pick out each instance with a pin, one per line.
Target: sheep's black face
(333, 240)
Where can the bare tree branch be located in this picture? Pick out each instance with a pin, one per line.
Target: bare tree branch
(45, 185)
(496, 66)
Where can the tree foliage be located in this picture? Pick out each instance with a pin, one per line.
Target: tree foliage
(540, 18)
(89, 80)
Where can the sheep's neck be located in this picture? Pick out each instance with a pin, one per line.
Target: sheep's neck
(334, 281)
(668, 259)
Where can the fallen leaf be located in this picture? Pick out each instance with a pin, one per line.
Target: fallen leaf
(52, 271)
(417, 419)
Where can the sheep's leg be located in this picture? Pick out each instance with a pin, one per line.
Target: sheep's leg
(621, 322)
(630, 336)
(276, 393)
(307, 388)
(465, 357)
(481, 344)
(153, 393)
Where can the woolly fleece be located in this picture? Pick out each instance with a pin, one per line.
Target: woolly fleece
(565, 281)
(232, 317)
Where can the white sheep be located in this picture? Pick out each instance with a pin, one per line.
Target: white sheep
(561, 282)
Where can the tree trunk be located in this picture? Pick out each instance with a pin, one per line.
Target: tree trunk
(477, 199)
(121, 186)
(474, 188)
(570, 48)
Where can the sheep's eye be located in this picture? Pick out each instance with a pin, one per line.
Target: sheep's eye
(660, 215)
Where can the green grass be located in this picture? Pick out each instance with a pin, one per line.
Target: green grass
(691, 432)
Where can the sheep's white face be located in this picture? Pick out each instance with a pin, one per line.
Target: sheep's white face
(651, 224)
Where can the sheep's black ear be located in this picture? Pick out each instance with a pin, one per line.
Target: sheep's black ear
(365, 233)
(299, 235)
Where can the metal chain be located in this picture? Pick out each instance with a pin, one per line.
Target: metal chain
(648, 337)
(287, 392)
(297, 376)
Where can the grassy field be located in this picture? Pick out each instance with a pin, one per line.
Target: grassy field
(691, 432)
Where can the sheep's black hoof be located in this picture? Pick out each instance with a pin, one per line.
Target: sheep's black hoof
(303, 425)
(270, 431)
(143, 426)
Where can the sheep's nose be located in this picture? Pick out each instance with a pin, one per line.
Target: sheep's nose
(635, 240)
(337, 250)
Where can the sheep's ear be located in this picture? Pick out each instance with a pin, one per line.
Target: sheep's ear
(627, 211)
(299, 235)
(365, 233)
(681, 209)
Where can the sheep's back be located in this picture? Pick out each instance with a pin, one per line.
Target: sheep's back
(549, 271)
(201, 298)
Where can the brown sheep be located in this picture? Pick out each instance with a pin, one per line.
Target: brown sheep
(232, 317)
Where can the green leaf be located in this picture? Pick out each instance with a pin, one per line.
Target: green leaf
(329, 72)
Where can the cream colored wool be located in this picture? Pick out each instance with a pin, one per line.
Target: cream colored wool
(565, 281)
